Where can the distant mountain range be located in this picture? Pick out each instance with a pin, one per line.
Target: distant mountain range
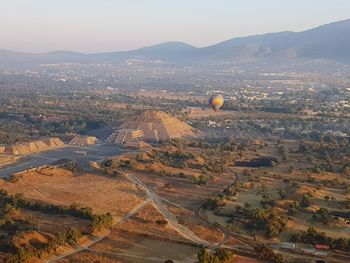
(328, 42)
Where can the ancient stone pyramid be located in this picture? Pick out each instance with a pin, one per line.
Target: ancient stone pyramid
(159, 126)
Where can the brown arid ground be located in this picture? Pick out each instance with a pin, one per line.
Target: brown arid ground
(183, 187)
(295, 182)
(183, 196)
(148, 222)
(46, 226)
(48, 223)
(159, 230)
(62, 187)
(198, 226)
(147, 251)
(145, 231)
(302, 220)
(143, 238)
(158, 167)
(166, 221)
(246, 260)
(274, 179)
(90, 256)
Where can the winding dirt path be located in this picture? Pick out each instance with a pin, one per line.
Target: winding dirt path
(160, 204)
(100, 238)
(172, 220)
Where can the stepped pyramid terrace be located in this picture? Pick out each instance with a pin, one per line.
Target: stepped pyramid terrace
(33, 146)
(83, 140)
(152, 126)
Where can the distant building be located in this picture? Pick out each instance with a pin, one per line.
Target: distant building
(83, 140)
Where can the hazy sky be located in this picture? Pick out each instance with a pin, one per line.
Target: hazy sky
(112, 25)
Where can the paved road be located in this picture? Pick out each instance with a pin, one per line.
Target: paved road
(82, 154)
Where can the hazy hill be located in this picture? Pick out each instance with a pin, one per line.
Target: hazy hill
(169, 51)
(330, 42)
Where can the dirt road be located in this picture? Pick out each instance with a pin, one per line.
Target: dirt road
(161, 204)
(100, 238)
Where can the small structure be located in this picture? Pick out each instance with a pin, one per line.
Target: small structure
(53, 142)
(7, 159)
(83, 140)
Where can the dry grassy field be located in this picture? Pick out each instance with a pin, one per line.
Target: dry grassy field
(62, 187)
(183, 187)
(34, 230)
(144, 238)
(159, 203)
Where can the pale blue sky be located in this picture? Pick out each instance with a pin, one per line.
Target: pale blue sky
(112, 25)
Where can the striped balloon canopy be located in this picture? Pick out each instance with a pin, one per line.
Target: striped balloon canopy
(216, 102)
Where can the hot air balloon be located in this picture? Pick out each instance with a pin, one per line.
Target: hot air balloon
(216, 102)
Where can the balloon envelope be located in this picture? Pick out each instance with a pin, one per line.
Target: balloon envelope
(216, 102)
